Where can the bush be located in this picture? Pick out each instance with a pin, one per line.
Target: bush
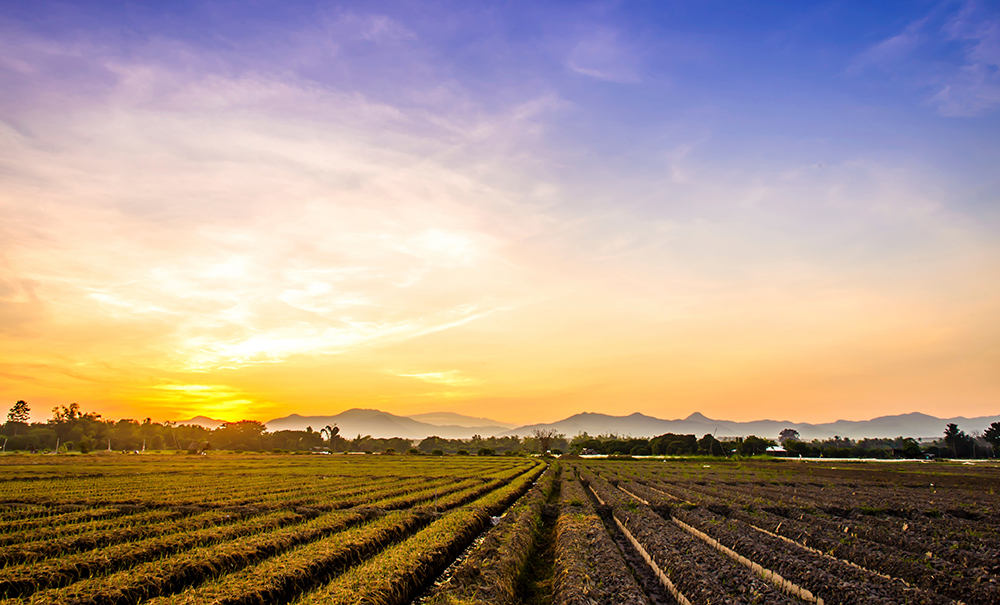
(389, 452)
(437, 453)
(413, 451)
(485, 451)
(462, 452)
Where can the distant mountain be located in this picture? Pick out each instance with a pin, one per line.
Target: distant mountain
(205, 421)
(456, 426)
(638, 425)
(380, 424)
(453, 419)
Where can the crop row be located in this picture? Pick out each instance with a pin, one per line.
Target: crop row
(589, 568)
(840, 539)
(692, 570)
(396, 575)
(131, 572)
(163, 522)
(854, 558)
(830, 579)
(489, 574)
(280, 577)
(26, 578)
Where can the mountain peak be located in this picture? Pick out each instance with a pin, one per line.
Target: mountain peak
(698, 417)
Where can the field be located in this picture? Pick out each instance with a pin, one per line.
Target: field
(254, 529)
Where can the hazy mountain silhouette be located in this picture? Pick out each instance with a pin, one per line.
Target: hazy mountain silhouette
(457, 426)
(638, 425)
(205, 421)
(377, 423)
(453, 419)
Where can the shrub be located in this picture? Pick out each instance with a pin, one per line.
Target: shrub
(462, 452)
(485, 451)
(437, 453)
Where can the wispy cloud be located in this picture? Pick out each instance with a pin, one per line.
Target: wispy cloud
(450, 378)
(250, 219)
(974, 87)
(963, 86)
(602, 53)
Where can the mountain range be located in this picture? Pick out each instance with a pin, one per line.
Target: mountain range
(917, 425)
(383, 424)
(457, 426)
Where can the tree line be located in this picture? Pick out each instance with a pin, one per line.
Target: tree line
(70, 429)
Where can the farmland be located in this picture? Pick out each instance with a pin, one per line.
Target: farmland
(434, 530)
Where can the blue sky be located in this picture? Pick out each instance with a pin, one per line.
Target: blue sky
(777, 202)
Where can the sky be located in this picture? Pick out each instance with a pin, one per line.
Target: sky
(518, 210)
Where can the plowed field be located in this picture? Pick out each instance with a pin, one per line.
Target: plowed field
(242, 529)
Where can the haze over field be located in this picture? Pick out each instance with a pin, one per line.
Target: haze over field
(516, 211)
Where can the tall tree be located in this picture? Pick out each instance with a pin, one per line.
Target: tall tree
(992, 435)
(545, 437)
(956, 439)
(331, 433)
(20, 412)
(788, 434)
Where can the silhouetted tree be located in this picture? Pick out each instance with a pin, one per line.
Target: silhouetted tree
(242, 435)
(710, 446)
(332, 434)
(753, 445)
(788, 434)
(19, 412)
(544, 437)
(957, 441)
(992, 434)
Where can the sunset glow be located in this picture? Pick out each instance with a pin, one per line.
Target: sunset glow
(515, 211)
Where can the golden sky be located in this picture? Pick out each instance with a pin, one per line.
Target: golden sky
(186, 230)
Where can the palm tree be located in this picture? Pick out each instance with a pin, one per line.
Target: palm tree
(330, 432)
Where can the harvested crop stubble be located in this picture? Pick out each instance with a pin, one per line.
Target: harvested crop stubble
(970, 585)
(396, 575)
(934, 575)
(700, 573)
(968, 542)
(589, 570)
(489, 575)
(59, 519)
(180, 570)
(40, 549)
(22, 537)
(281, 578)
(836, 582)
(857, 535)
(25, 579)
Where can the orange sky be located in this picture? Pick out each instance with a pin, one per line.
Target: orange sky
(181, 234)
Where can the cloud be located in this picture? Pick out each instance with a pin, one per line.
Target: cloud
(602, 55)
(893, 49)
(974, 87)
(450, 378)
(965, 85)
(245, 219)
